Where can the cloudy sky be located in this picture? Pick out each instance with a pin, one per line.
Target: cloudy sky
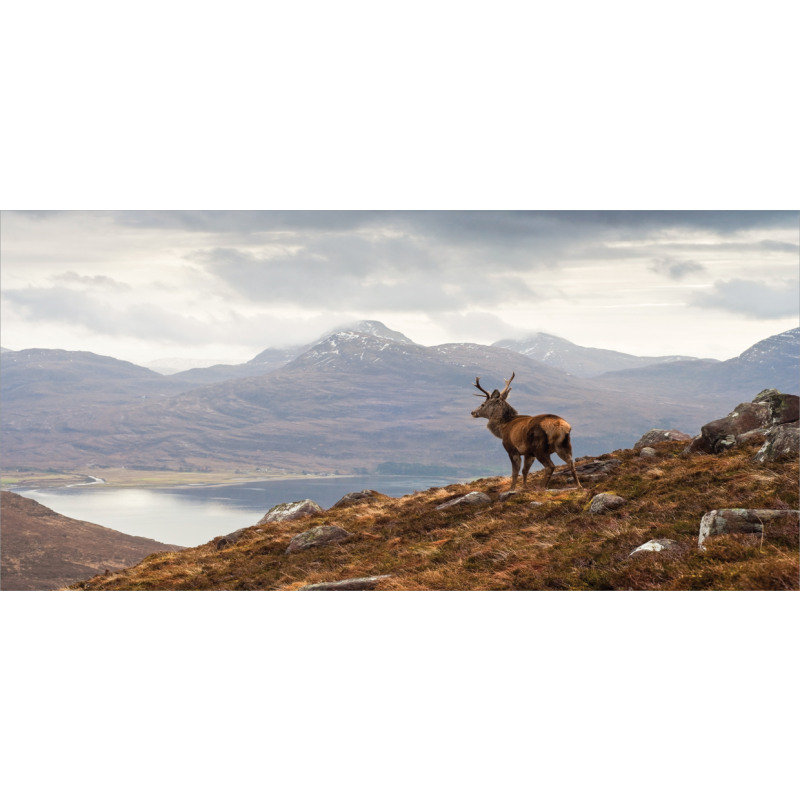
(224, 285)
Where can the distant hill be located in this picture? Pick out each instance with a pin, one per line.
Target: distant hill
(586, 362)
(355, 399)
(773, 362)
(40, 549)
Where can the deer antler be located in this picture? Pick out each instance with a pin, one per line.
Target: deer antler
(477, 385)
(505, 391)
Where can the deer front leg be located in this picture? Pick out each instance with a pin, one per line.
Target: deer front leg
(515, 459)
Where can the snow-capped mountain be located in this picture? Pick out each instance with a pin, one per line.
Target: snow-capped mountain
(586, 362)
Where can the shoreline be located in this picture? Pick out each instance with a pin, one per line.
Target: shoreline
(124, 479)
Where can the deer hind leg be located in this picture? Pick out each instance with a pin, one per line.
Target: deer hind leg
(564, 452)
(549, 466)
(527, 463)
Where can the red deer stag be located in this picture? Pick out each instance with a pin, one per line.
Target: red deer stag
(531, 437)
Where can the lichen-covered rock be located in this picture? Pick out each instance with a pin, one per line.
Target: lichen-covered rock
(318, 537)
(289, 511)
(471, 499)
(503, 496)
(743, 520)
(595, 469)
(351, 498)
(606, 501)
(230, 538)
(658, 435)
(348, 585)
(748, 422)
(648, 452)
(782, 441)
(656, 546)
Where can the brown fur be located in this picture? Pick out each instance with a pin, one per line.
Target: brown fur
(526, 437)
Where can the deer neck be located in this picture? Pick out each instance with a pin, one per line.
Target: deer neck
(500, 419)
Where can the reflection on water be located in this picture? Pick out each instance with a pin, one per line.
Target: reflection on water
(194, 515)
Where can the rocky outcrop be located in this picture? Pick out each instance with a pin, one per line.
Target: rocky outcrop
(606, 501)
(348, 585)
(758, 521)
(782, 441)
(471, 499)
(596, 469)
(648, 452)
(656, 546)
(658, 436)
(230, 538)
(285, 512)
(352, 498)
(318, 537)
(757, 421)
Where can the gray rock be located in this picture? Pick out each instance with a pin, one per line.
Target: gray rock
(648, 452)
(230, 538)
(656, 546)
(743, 520)
(606, 501)
(348, 585)
(596, 469)
(351, 498)
(781, 441)
(747, 422)
(318, 537)
(289, 511)
(506, 496)
(658, 435)
(535, 504)
(471, 499)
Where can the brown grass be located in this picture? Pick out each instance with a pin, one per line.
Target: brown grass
(558, 545)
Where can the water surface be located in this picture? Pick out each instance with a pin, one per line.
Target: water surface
(193, 515)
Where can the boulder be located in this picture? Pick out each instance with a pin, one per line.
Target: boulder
(471, 499)
(596, 469)
(348, 585)
(606, 501)
(781, 441)
(747, 422)
(656, 546)
(289, 511)
(658, 435)
(506, 496)
(648, 452)
(230, 538)
(318, 537)
(351, 498)
(744, 520)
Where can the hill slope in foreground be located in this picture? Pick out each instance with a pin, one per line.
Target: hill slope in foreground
(531, 540)
(45, 550)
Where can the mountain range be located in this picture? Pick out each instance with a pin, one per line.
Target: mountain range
(359, 397)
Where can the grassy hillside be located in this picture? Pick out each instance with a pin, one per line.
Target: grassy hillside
(45, 550)
(511, 544)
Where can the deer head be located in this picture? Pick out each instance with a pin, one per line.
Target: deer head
(495, 404)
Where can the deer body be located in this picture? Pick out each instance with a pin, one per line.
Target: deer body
(526, 438)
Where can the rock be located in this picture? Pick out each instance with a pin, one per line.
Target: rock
(506, 496)
(317, 537)
(289, 511)
(648, 452)
(350, 584)
(783, 407)
(743, 520)
(657, 436)
(747, 422)
(351, 498)
(535, 504)
(606, 501)
(596, 469)
(781, 441)
(230, 538)
(471, 499)
(656, 546)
